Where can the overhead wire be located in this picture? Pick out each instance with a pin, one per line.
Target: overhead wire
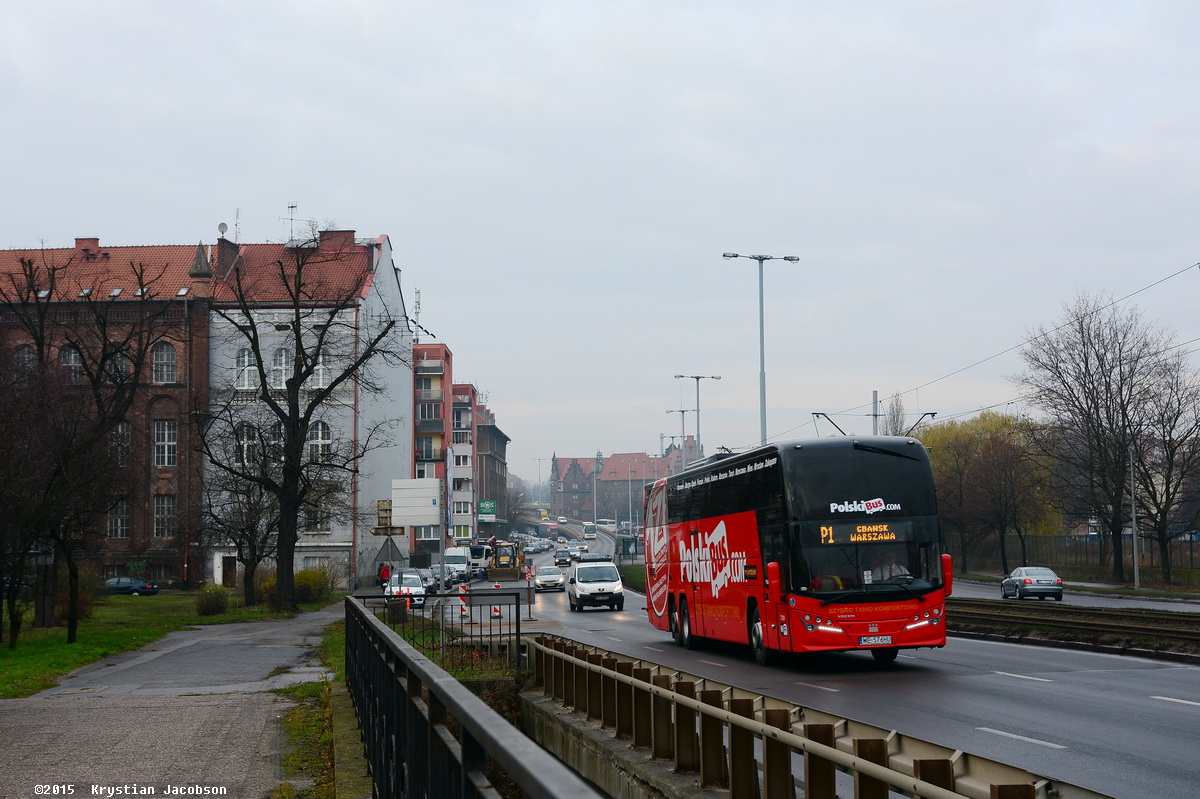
(1024, 343)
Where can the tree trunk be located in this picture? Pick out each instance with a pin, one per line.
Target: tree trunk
(1164, 551)
(73, 600)
(1118, 552)
(248, 588)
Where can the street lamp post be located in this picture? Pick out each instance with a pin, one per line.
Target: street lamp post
(682, 435)
(698, 378)
(762, 339)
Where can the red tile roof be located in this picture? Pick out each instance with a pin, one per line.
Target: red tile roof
(103, 269)
(338, 267)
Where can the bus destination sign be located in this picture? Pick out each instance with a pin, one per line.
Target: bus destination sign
(866, 532)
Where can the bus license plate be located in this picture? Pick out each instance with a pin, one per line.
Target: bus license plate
(874, 640)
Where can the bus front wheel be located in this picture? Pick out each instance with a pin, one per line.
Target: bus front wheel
(762, 654)
(685, 626)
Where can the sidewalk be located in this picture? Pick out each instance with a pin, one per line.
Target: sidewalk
(191, 712)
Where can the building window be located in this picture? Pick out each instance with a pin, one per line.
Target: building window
(429, 410)
(320, 442)
(118, 367)
(462, 484)
(425, 469)
(462, 460)
(316, 518)
(462, 436)
(279, 364)
(427, 532)
(164, 363)
(244, 437)
(320, 375)
(166, 441)
(462, 507)
(462, 531)
(164, 515)
(425, 447)
(118, 519)
(118, 443)
(25, 359)
(245, 370)
(72, 363)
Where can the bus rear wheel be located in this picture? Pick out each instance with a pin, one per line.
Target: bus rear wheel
(762, 654)
(885, 655)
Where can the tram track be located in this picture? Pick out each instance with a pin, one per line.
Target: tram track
(1125, 628)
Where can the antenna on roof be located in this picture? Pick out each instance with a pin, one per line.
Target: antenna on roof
(292, 220)
(417, 319)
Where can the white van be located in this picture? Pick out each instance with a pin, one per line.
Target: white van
(459, 559)
(595, 583)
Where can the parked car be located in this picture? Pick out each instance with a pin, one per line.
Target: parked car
(406, 585)
(1035, 581)
(550, 578)
(562, 557)
(451, 575)
(430, 579)
(133, 586)
(595, 584)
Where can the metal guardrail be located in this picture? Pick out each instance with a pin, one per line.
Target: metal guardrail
(730, 736)
(427, 735)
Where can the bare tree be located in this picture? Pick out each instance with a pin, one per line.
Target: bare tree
(303, 356)
(84, 351)
(1166, 459)
(1094, 378)
(893, 417)
(241, 513)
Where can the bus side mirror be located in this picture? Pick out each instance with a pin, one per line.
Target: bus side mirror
(948, 574)
(774, 582)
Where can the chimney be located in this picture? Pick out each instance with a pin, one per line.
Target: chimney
(87, 246)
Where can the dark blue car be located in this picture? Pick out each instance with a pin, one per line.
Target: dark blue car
(134, 586)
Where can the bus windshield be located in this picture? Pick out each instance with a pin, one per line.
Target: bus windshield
(884, 555)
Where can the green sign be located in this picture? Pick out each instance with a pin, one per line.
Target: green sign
(487, 506)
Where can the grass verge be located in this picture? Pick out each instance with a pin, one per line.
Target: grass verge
(118, 624)
(308, 764)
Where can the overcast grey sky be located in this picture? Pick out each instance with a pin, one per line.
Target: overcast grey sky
(559, 180)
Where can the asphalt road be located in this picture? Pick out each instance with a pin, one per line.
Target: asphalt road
(1115, 724)
(191, 710)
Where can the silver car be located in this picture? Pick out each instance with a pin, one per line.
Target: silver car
(406, 585)
(549, 578)
(1035, 581)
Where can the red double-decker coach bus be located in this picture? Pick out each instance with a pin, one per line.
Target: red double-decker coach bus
(807, 546)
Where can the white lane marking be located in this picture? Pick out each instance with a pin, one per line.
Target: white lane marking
(820, 687)
(1021, 676)
(712, 663)
(1021, 738)
(655, 649)
(613, 639)
(1180, 701)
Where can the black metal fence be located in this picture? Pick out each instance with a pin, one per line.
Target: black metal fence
(471, 633)
(426, 735)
